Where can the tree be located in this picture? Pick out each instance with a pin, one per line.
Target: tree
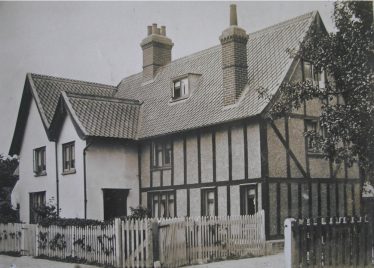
(8, 164)
(347, 57)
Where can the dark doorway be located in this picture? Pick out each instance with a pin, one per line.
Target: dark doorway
(115, 203)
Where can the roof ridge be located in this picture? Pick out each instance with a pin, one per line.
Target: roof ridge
(103, 98)
(283, 23)
(72, 81)
(189, 56)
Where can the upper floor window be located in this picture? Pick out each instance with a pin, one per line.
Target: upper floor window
(161, 154)
(180, 89)
(314, 127)
(39, 161)
(162, 204)
(314, 76)
(68, 157)
(209, 202)
(248, 200)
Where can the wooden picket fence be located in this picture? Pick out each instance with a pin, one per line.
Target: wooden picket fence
(93, 243)
(11, 237)
(201, 239)
(327, 242)
(139, 243)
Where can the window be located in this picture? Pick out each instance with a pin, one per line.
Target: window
(39, 161)
(315, 127)
(209, 202)
(37, 200)
(180, 89)
(310, 74)
(162, 204)
(248, 199)
(161, 154)
(68, 157)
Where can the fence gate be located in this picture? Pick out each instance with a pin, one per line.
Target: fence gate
(172, 246)
(28, 239)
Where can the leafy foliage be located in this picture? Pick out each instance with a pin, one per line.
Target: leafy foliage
(47, 211)
(347, 56)
(8, 214)
(138, 213)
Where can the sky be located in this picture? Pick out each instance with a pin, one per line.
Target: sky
(100, 41)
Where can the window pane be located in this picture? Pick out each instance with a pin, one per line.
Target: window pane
(155, 206)
(307, 71)
(163, 206)
(72, 152)
(159, 158)
(167, 156)
(185, 87)
(171, 205)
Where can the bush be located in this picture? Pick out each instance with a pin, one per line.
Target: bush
(8, 214)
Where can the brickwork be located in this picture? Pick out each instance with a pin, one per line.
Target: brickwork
(156, 53)
(234, 63)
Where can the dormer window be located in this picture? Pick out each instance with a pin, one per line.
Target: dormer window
(180, 89)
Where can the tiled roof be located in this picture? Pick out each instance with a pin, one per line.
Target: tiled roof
(49, 89)
(105, 116)
(268, 63)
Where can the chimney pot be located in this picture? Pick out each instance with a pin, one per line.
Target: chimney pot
(163, 30)
(233, 15)
(154, 28)
(149, 30)
(158, 30)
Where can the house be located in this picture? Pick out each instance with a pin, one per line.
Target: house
(183, 137)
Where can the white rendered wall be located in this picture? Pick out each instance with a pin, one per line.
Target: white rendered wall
(111, 164)
(34, 137)
(71, 185)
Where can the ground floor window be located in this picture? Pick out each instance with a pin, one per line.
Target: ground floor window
(37, 200)
(115, 203)
(162, 204)
(248, 199)
(209, 202)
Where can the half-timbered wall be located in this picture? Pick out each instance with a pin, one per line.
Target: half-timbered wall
(302, 183)
(224, 157)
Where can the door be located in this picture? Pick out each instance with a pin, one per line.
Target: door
(115, 203)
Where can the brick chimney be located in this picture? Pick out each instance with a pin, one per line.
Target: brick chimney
(156, 51)
(234, 59)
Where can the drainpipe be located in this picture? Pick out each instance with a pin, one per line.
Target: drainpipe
(84, 179)
(57, 182)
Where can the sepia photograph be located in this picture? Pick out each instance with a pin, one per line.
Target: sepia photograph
(195, 134)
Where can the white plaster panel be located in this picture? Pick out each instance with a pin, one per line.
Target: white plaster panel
(206, 157)
(181, 203)
(222, 200)
(192, 163)
(178, 161)
(195, 203)
(235, 200)
(237, 153)
(222, 155)
(254, 151)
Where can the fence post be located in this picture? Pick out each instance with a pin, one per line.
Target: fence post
(36, 240)
(289, 242)
(118, 234)
(149, 261)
